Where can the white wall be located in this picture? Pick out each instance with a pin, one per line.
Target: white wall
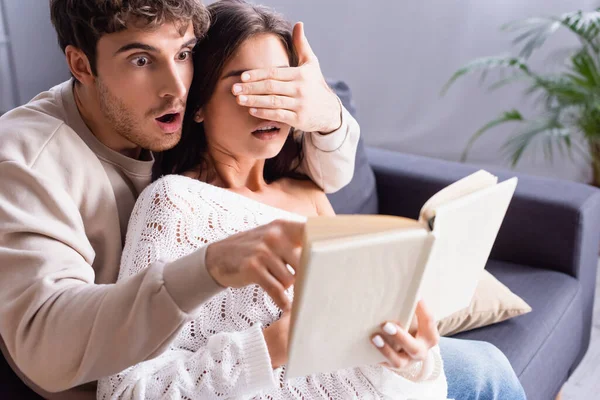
(7, 100)
(38, 61)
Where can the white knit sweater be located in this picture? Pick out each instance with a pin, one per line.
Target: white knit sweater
(222, 353)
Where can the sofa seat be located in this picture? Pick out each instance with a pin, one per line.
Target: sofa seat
(542, 345)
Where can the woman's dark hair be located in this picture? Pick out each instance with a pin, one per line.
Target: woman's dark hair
(232, 23)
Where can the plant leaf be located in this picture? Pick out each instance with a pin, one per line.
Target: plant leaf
(485, 64)
(506, 81)
(507, 116)
(585, 25)
(548, 127)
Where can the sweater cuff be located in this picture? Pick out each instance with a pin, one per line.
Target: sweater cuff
(421, 371)
(332, 141)
(256, 360)
(188, 282)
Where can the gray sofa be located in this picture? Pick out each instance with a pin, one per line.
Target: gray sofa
(546, 252)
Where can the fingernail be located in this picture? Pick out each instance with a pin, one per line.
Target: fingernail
(237, 89)
(390, 328)
(243, 99)
(245, 76)
(378, 341)
(289, 268)
(253, 111)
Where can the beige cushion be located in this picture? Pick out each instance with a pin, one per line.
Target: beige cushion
(493, 302)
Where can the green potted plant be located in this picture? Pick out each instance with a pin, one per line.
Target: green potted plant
(568, 100)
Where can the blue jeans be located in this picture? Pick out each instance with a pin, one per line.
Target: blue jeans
(478, 371)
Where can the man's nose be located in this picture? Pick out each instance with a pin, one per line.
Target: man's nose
(174, 83)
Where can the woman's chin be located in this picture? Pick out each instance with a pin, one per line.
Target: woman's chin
(267, 150)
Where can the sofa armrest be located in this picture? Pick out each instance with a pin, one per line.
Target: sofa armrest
(550, 224)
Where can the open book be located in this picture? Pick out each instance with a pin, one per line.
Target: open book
(358, 271)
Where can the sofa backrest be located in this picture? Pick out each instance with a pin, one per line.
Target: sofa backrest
(360, 195)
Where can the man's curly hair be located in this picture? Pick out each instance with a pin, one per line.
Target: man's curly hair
(81, 23)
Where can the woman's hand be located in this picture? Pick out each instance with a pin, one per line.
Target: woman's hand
(276, 336)
(402, 348)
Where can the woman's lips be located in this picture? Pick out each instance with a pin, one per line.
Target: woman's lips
(266, 134)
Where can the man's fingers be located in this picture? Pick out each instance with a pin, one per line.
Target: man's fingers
(270, 101)
(284, 116)
(274, 289)
(427, 330)
(293, 230)
(265, 87)
(303, 49)
(279, 270)
(285, 239)
(290, 255)
(274, 73)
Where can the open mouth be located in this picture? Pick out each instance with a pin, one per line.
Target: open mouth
(267, 129)
(167, 118)
(169, 123)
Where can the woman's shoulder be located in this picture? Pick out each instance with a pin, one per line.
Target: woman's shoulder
(300, 188)
(175, 189)
(307, 190)
(166, 183)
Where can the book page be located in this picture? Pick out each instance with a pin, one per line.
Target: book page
(346, 290)
(472, 183)
(340, 226)
(465, 231)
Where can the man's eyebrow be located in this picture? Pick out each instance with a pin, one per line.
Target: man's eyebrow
(136, 46)
(239, 72)
(151, 49)
(190, 43)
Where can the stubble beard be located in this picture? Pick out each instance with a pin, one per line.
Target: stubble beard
(125, 124)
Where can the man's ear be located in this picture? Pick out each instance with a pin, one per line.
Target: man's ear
(79, 64)
(199, 116)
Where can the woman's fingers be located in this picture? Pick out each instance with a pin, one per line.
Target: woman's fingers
(395, 359)
(427, 330)
(400, 340)
(402, 348)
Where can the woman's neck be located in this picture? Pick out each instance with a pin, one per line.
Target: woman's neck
(235, 173)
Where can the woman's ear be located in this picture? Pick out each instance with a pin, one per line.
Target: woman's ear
(199, 116)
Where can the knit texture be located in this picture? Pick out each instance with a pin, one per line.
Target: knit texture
(222, 353)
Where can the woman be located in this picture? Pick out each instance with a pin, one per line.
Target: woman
(233, 172)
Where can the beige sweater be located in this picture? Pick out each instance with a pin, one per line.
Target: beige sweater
(64, 201)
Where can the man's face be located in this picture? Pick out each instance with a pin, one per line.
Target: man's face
(143, 77)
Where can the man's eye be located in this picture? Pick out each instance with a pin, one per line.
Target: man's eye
(185, 55)
(140, 61)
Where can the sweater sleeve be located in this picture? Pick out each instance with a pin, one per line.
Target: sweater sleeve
(60, 328)
(231, 365)
(329, 159)
(423, 380)
(227, 364)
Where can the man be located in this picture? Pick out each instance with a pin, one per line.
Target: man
(74, 160)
